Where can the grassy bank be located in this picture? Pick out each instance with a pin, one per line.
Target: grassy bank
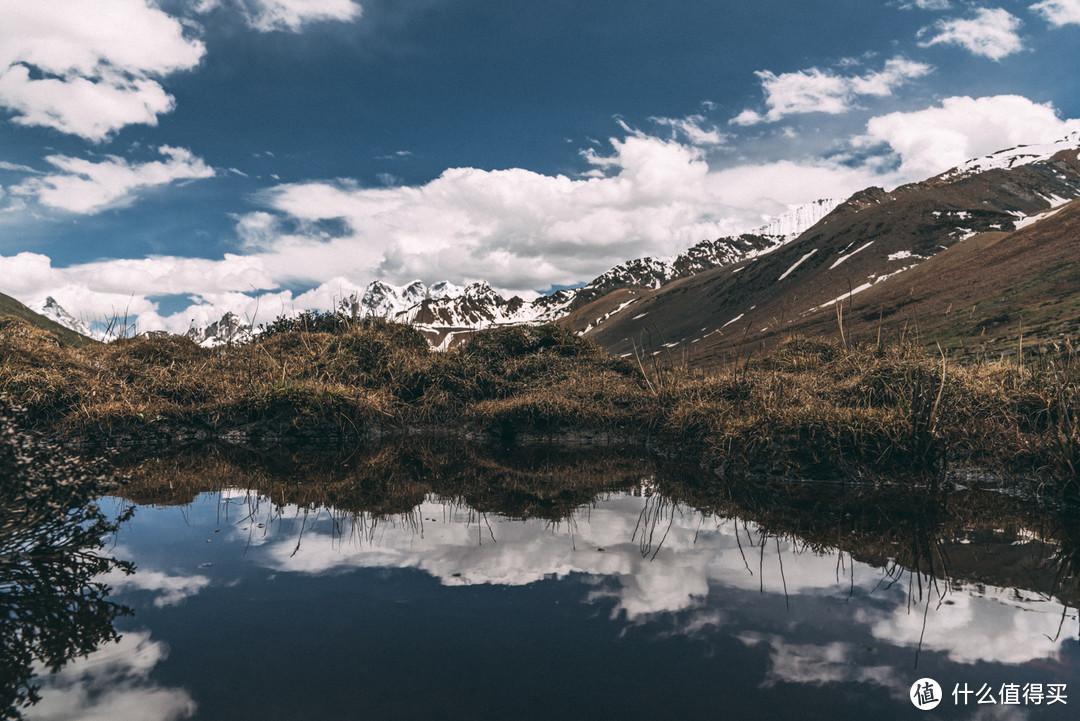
(810, 408)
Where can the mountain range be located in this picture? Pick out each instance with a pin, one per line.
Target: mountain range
(975, 257)
(979, 255)
(447, 313)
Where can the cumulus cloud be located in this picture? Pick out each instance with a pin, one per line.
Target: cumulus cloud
(823, 91)
(110, 290)
(936, 139)
(87, 187)
(517, 229)
(991, 33)
(1058, 12)
(89, 69)
(168, 589)
(650, 196)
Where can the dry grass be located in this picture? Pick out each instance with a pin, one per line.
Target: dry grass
(810, 407)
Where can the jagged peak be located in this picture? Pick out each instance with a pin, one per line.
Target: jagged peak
(798, 220)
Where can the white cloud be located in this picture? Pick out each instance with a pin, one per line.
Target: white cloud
(292, 15)
(1058, 12)
(926, 5)
(521, 229)
(112, 290)
(87, 187)
(821, 91)
(936, 139)
(15, 167)
(694, 130)
(515, 228)
(992, 33)
(89, 69)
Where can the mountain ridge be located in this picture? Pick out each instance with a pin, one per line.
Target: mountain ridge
(867, 244)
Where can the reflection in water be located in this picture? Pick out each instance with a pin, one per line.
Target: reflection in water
(53, 606)
(113, 684)
(486, 585)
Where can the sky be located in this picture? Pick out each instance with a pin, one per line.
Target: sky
(170, 161)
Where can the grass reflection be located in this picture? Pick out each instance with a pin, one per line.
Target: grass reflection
(934, 538)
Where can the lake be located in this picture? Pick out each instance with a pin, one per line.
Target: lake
(498, 587)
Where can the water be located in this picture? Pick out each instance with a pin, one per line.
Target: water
(247, 605)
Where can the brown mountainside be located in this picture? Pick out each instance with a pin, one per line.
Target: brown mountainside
(918, 255)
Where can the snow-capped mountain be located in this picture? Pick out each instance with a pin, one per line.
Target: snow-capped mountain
(57, 313)
(652, 273)
(996, 237)
(1013, 157)
(230, 329)
(735, 288)
(479, 305)
(797, 221)
(444, 310)
(383, 300)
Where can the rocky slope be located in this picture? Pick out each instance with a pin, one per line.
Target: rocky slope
(861, 261)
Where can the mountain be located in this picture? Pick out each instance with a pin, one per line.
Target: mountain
(995, 236)
(647, 272)
(56, 312)
(10, 306)
(382, 300)
(447, 314)
(229, 329)
(876, 260)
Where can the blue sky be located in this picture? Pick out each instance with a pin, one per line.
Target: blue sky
(177, 159)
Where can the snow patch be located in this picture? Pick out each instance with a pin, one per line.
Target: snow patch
(1033, 219)
(604, 317)
(842, 258)
(797, 264)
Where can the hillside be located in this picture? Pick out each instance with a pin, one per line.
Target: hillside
(998, 243)
(10, 306)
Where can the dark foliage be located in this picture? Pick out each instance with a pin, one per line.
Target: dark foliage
(309, 321)
(52, 608)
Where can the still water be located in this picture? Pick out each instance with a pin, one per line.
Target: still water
(632, 605)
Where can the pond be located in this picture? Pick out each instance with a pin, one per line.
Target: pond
(474, 590)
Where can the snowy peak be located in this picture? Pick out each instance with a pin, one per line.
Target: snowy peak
(795, 222)
(230, 329)
(381, 299)
(444, 289)
(57, 313)
(1013, 157)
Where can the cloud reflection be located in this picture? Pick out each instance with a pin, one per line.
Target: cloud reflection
(112, 684)
(651, 559)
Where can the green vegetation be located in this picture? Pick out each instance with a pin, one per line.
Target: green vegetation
(809, 408)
